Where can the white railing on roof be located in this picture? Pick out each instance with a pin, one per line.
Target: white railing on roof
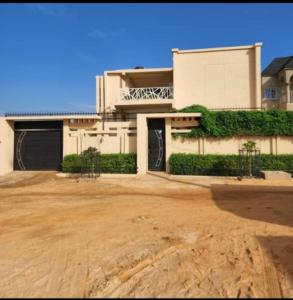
(146, 93)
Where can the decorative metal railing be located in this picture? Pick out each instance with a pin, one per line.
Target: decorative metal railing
(146, 93)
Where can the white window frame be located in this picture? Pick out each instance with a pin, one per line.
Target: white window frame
(268, 91)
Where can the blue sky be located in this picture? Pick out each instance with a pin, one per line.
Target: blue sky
(51, 53)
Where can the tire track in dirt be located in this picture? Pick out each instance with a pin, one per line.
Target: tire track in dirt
(122, 278)
(58, 267)
(35, 179)
(271, 280)
(78, 285)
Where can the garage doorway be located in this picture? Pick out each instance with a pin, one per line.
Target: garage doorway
(38, 145)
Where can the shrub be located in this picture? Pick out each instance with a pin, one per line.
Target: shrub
(225, 165)
(240, 123)
(118, 163)
(124, 163)
(71, 163)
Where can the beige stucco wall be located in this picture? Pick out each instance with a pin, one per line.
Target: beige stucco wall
(118, 137)
(6, 146)
(79, 136)
(209, 145)
(218, 78)
(113, 83)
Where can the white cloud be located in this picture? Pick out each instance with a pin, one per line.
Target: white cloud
(103, 34)
(48, 10)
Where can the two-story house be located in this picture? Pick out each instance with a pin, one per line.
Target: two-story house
(135, 111)
(277, 84)
(218, 78)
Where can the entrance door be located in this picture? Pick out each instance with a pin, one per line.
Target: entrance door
(38, 145)
(156, 145)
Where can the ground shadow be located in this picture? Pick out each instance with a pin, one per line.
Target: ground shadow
(279, 250)
(271, 204)
(263, 203)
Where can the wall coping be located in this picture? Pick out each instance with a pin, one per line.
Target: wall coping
(176, 50)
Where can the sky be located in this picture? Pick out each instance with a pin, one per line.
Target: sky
(51, 53)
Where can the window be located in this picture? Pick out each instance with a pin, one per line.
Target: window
(271, 93)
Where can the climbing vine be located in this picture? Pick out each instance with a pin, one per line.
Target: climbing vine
(240, 123)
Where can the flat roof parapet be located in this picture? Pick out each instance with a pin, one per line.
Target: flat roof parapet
(14, 114)
(176, 50)
(49, 116)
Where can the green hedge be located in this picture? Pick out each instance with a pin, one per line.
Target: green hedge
(110, 163)
(118, 163)
(240, 123)
(223, 165)
(71, 163)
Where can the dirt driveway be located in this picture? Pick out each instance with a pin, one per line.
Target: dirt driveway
(145, 237)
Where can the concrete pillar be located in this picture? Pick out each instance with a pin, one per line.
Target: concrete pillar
(257, 74)
(175, 103)
(65, 137)
(274, 145)
(142, 144)
(6, 146)
(288, 92)
(98, 94)
(202, 145)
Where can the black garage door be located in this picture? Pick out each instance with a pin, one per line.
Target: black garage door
(38, 145)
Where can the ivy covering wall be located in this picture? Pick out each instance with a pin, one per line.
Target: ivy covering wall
(240, 123)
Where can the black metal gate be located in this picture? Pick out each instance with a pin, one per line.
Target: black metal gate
(156, 145)
(38, 145)
(90, 160)
(249, 163)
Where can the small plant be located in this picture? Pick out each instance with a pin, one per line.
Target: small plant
(90, 161)
(249, 146)
(249, 151)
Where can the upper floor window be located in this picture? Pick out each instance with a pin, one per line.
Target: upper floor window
(271, 93)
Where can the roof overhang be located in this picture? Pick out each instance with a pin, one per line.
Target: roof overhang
(51, 117)
(170, 115)
(147, 70)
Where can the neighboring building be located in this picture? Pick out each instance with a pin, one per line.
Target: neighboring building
(135, 112)
(277, 84)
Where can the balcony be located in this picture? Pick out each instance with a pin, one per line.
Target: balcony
(145, 97)
(146, 93)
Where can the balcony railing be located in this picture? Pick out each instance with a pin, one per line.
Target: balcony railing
(146, 93)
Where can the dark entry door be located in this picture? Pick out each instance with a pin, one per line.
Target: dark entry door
(38, 145)
(156, 145)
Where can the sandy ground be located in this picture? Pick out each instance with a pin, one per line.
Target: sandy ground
(145, 237)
